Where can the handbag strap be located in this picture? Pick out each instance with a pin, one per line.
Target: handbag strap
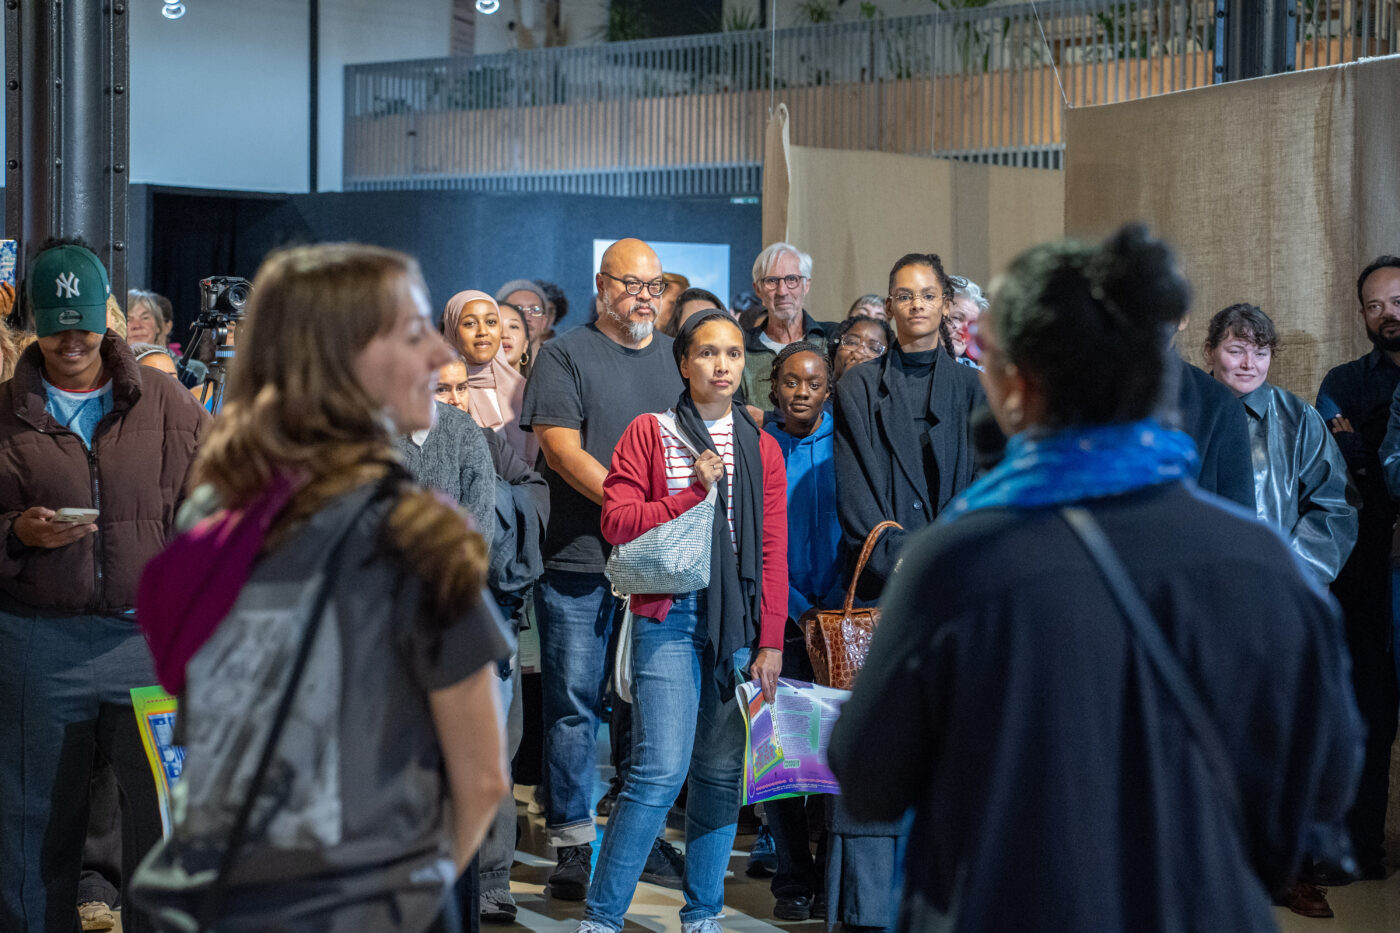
(213, 903)
(865, 552)
(1164, 661)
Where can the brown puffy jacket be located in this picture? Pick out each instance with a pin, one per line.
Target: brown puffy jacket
(134, 476)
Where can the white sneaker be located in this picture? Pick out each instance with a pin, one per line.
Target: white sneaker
(589, 926)
(708, 925)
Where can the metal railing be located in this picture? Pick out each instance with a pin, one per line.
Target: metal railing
(686, 115)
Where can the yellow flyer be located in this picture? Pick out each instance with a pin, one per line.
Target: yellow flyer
(155, 718)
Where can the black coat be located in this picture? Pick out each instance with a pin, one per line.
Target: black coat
(879, 463)
(1054, 784)
(1215, 419)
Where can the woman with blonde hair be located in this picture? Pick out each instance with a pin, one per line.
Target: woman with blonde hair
(319, 566)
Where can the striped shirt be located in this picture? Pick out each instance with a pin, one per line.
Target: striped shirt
(680, 463)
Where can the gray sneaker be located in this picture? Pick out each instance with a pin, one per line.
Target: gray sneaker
(497, 906)
(589, 926)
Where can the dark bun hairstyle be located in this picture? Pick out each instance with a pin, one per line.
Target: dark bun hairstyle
(686, 335)
(1091, 326)
(787, 353)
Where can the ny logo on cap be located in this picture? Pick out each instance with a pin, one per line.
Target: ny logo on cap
(67, 285)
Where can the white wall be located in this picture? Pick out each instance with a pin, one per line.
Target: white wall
(581, 22)
(219, 97)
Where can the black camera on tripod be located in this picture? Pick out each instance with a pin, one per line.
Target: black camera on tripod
(223, 300)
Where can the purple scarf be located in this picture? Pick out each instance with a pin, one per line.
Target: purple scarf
(188, 589)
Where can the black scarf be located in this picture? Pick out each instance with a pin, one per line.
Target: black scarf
(736, 580)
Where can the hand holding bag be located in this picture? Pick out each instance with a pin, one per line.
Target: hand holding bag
(673, 557)
(838, 640)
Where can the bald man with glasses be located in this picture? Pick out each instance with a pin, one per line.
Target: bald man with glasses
(584, 390)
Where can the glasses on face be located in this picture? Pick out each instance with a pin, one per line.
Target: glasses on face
(531, 310)
(634, 286)
(905, 299)
(771, 282)
(855, 343)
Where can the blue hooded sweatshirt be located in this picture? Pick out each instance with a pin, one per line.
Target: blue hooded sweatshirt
(814, 533)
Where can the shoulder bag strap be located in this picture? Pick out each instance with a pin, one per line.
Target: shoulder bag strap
(1164, 661)
(213, 902)
(866, 550)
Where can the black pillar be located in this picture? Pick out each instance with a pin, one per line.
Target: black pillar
(66, 127)
(1257, 38)
(314, 58)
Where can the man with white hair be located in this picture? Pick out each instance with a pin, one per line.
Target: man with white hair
(782, 276)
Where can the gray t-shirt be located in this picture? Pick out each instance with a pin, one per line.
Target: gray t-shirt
(350, 817)
(585, 380)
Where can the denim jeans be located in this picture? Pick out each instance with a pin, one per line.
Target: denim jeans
(497, 853)
(682, 724)
(65, 687)
(575, 614)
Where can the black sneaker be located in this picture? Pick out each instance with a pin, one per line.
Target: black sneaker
(793, 907)
(665, 865)
(569, 880)
(608, 802)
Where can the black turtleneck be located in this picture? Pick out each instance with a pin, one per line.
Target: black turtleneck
(918, 364)
(917, 368)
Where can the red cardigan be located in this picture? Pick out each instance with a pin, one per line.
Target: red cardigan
(635, 501)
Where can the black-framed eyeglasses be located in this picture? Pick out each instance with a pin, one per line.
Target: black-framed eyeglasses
(634, 286)
(531, 310)
(771, 282)
(855, 343)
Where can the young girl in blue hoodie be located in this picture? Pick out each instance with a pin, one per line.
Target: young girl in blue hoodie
(802, 426)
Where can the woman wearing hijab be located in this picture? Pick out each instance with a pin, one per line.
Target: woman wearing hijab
(689, 648)
(472, 324)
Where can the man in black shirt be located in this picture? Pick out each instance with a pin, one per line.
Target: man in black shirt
(584, 390)
(1356, 400)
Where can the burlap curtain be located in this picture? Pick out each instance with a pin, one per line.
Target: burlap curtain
(857, 212)
(1275, 191)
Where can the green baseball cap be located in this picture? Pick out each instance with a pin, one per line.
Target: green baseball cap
(67, 288)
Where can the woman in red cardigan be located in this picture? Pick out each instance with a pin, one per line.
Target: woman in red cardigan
(690, 649)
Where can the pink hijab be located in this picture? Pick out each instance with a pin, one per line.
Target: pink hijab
(499, 410)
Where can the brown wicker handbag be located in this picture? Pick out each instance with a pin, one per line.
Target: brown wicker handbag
(839, 639)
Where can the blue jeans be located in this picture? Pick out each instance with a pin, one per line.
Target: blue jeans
(575, 614)
(65, 688)
(682, 724)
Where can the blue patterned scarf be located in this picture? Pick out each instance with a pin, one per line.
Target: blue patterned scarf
(1080, 463)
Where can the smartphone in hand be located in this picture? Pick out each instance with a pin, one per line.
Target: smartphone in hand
(76, 516)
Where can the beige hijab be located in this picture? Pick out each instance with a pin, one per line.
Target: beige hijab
(497, 390)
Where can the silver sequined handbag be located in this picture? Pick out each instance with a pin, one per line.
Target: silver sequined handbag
(673, 557)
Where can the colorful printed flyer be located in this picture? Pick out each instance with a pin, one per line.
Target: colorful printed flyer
(9, 255)
(786, 743)
(155, 717)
